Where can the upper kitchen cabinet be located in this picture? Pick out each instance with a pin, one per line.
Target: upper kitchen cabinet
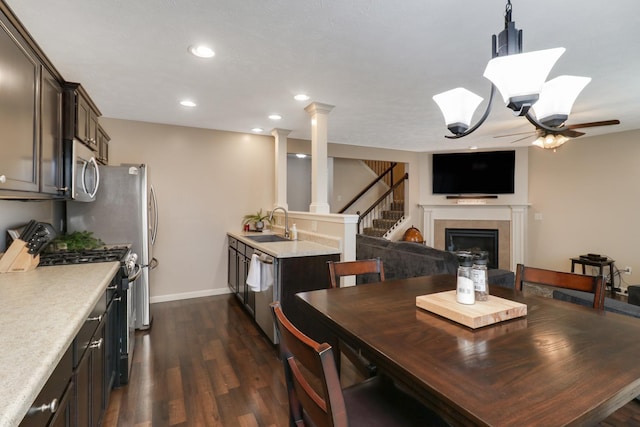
(51, 177)
(103, 146)
(30, 116)
(81, 116)
(19, 112)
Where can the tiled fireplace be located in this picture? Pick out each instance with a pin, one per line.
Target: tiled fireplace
(474, 240)
(508, 221)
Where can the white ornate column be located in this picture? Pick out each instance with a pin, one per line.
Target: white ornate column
(280, 136)
(518, 235)
(319, 134)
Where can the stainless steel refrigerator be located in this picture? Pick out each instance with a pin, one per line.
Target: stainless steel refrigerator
(125, 211)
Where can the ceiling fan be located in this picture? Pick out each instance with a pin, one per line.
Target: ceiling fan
(551, 138)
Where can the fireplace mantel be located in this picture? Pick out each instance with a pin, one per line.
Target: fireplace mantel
(514, 214)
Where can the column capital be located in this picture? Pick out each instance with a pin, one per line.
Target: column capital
(318, 108)
(280, 133)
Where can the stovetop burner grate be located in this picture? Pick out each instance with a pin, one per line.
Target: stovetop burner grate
(105, 254)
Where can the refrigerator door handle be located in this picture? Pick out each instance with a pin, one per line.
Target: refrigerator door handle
(152, 264)
(154, 202)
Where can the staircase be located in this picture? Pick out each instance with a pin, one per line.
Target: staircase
(388, 210)
(387, 220)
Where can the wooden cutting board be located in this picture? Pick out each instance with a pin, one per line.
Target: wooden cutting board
(477, 315)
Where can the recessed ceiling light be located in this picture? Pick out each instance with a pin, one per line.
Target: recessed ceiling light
(187, 103)
(301, 155)
(473, 147)
(275, 116)
(301, 97)
(202, 51)
(257, 130)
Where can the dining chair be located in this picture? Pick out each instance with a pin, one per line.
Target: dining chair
(373, 267)
(559, 279)
(354, 268)
(317, 399)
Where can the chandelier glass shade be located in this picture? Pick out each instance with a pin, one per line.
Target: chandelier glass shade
(457, 106)
(557, 98)
(519, 78)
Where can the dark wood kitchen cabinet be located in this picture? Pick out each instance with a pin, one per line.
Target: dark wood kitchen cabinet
(19, 111)
(90, 364)
(81, 116)
(237, 271)
(54, 406)
(30, 116)
(51, 175)
(103, 146)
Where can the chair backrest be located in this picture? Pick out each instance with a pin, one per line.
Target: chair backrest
(354, 268)
(559, 279)
(315, 394)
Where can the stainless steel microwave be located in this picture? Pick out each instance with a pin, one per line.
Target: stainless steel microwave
(82, 173)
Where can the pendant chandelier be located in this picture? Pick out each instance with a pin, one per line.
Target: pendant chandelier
(520, 79)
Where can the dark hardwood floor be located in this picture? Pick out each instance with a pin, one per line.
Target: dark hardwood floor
(204, 363)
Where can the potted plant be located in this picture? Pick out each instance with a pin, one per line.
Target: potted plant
(257, 219)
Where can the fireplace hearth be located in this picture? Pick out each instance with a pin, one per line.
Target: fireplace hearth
(474, 240)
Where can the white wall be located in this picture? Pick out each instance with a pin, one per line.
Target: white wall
(586, 198)
(206, 181)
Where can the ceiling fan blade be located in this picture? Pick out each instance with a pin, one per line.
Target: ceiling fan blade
(594, 124)
(571, 133)
(521, 139)
(530, 132)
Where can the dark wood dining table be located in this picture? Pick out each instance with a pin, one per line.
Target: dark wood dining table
(561, 364)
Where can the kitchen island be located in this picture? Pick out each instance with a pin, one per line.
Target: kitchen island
(42, 311)
(284, 268)
(284, 249)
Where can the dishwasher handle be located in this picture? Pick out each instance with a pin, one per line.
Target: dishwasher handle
(264, 259)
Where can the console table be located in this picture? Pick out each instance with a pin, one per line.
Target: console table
(601, 264)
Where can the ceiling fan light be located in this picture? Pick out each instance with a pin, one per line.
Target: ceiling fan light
(520, 77)
(457, 106)
(550, 141)
(557, 98)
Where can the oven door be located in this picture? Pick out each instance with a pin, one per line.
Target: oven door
(83, 174)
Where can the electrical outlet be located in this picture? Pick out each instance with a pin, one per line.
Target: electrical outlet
(627, 270)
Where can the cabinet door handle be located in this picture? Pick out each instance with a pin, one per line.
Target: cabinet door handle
(96, 344)
(94, 319)
(53, 407)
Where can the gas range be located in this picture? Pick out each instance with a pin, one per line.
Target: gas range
(103, 254)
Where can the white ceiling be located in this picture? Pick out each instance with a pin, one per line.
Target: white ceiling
(378, 61)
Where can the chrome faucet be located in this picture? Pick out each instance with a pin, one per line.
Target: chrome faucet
(286, 219)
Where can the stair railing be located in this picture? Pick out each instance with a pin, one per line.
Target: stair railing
(384, 202)
(388, 171)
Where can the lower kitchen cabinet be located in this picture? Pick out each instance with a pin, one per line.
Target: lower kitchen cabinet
(237, 271)
(91, 368)
(54, 406)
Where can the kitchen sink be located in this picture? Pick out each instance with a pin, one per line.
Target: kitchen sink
(268, 238)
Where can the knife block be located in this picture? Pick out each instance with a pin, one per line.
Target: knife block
(18, 259)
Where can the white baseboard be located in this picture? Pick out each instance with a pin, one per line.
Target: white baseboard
(189, 295)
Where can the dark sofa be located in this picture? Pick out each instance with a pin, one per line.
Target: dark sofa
(585, 298)
(408, 259)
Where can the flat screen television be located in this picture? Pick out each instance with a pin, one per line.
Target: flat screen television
(490, 172)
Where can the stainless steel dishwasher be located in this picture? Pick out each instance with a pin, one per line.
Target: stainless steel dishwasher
(268, 293)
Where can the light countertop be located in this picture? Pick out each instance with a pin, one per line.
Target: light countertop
(286, 249)
(41, 311)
